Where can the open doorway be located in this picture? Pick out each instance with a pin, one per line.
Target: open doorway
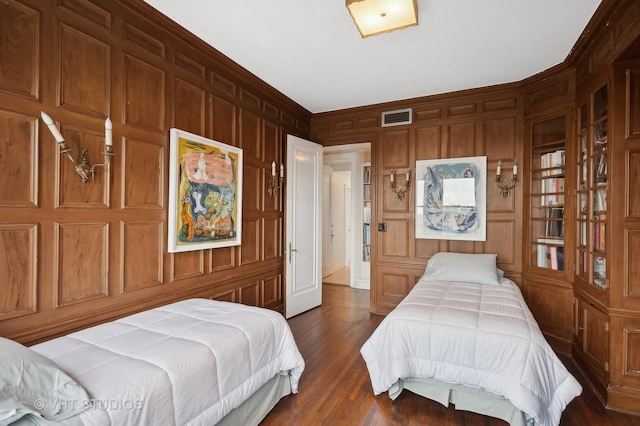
(346, 211)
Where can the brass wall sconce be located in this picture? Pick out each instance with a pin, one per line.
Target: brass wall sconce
(401, 189)
(82, 167)
(504, 185)
(275, 183)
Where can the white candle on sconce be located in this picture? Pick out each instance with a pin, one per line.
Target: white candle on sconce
(52, 127)
(108, 132)
(281, 170)
(392, 176)
(515, 167)
(408, 175)
(499, 169)
(273, 169)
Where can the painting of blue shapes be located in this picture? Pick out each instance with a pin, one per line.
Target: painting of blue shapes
(450, 198)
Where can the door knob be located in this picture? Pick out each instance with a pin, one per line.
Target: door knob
(291, 250)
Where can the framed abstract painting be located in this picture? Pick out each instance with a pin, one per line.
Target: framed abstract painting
(451, 199)
(205, 193)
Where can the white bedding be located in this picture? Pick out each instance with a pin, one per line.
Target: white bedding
(187, 363)
(483, 336)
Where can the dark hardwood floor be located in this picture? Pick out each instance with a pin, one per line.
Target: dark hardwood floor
(335, 387)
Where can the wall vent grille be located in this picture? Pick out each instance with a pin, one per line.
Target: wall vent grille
(397, 118)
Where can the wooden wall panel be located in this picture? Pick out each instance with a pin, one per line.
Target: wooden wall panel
(395, 149)
(251, 241)
(633, 195)
(271, 238)
(144, 94)
(428, 143)
(632, 270)
(504, 241)
(18, 269)
(393, 284)
(143, 40)
(85, 244)
(192, 66)
(189, 111)
(187, 264)
(223, 118)
(395, 241)
(552, 306)
(18, 157)
(250, 132)
(252, 187)
(631, 351)
(272, 293)
(85, 72)
(144, 182)
(19, 49)
(495, 132)
(142, 250)
(462, 140)
(227, 296)
(249, 294)
(223, 258)
(88, 12)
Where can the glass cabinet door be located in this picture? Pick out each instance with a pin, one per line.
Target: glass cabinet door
(547, 193)
(591, 191)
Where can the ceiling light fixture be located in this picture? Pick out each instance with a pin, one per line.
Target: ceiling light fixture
(374, 17)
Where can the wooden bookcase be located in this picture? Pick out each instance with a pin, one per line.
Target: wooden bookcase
(547, 226)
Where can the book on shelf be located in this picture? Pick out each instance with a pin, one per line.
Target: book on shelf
(366, 233)
(556, 257)
(599, 233)
(555, 226)
(366, 214)
(600, 134)
(600, 198)
(553, 190)
(366, 253)
(367, 175)
(553, 163)
(367, 192)
(548, 253)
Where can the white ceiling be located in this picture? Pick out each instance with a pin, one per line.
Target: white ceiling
(312, 52)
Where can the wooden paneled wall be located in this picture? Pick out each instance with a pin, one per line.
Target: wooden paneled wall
(74, 254)
(482, 122)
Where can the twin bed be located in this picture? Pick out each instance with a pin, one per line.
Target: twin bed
(464, 335)
(194, 362)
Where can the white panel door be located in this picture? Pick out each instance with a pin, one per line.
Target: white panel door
(303, 238)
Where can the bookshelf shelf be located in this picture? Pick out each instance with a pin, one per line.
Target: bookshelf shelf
(546, 195)
(366, 213)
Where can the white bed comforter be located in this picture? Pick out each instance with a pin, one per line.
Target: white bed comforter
(187, 363)
(483, 336)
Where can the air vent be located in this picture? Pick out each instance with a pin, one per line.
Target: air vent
(397, 117)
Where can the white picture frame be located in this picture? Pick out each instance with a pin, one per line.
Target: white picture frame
(466, 216)
(205, 193)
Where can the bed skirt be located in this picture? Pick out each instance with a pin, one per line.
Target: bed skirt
(463, 397)
(256, 408)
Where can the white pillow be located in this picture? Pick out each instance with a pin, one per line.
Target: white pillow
(463, 267)
(33, 384)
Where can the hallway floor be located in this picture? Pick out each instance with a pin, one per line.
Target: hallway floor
(339, 277)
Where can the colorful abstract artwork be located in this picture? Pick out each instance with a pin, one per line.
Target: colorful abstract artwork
(451, 198)
(205, 193)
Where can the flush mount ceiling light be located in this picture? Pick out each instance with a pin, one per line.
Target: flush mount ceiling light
(373, 17)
